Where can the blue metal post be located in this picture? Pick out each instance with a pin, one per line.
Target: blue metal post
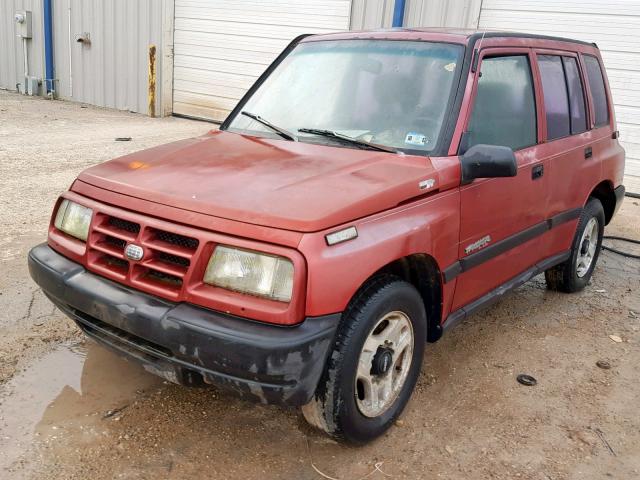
(48, 45)
(398, 13)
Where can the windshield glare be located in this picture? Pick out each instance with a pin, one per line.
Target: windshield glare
(392, 93)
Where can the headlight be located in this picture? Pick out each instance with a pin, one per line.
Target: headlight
(73, 219)
(250, 272)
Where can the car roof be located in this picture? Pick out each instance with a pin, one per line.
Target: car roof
(453, 35)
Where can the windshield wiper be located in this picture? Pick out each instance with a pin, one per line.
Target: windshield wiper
(348, 139)
(280, 131)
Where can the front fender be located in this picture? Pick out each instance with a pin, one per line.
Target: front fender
(428, 226)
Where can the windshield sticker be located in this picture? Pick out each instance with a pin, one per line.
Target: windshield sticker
(450, 67)
(414, 138)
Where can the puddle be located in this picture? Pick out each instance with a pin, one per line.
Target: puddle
(65, 393)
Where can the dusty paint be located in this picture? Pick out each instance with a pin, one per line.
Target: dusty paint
(151, 94)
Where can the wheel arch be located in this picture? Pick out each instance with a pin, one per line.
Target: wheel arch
(604, 192)
(422, 271)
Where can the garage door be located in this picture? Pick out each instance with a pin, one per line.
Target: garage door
(222, 46)
(614, 26)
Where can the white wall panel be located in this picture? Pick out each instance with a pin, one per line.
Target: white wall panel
(442, 13)
(614, 25)
(222, 46)
(371, 14)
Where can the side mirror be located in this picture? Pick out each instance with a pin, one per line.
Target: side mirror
(488, 161)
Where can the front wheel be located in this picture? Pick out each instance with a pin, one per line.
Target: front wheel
(374, 364)
(574, 274)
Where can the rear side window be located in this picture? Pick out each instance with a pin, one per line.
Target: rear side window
(504, 112)
(598, 92)
(576, 95)
(556, 97)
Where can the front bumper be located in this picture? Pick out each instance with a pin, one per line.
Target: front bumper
(187, 344)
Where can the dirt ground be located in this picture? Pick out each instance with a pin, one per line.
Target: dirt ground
(70, 409)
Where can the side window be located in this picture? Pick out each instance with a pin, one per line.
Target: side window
(598, 92)
(576, 95)
(556, 98)
(504, 112)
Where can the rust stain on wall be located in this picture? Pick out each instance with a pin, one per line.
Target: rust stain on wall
(151, 93)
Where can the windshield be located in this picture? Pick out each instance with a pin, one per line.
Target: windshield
(390, 93)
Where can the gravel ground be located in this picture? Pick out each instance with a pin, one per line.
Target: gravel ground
(69, 409)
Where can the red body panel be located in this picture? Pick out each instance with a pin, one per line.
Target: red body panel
(283, 197)
(287, 185)
(497, 208)
(503, 207)
(429, 226)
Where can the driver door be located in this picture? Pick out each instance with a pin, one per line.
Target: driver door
(502, 219)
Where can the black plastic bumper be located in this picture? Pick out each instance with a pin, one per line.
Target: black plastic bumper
(619, 191)
(185, 343)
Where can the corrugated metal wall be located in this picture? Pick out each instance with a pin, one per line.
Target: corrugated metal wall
(222, 46)
(113, 70)
(368, 14)
(11, 56)
(371, 14)
(442, 13)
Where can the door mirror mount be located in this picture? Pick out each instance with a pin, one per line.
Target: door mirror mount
(488, 161)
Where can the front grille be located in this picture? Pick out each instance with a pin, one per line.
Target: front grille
(161, 277)
(187, 243)
(109, 265)
(174, 259)
(116, 263)
(124, 225)
(115, 227)
(170, 259)
(116, 242)
(167, 255)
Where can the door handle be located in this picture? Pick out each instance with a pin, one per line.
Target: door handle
(588, 152)
(537, 171)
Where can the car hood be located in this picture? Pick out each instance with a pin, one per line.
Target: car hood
(277, 183)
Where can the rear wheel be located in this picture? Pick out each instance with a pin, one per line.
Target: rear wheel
(574, 274)
(374, 364)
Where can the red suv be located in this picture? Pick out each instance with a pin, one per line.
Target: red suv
(370, 191)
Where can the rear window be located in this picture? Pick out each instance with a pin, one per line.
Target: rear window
(576, 95)
(563, 96)
(556, 97)
(504, 112)
(598, 91)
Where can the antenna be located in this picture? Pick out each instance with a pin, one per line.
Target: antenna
(481, 39)
(476, 53)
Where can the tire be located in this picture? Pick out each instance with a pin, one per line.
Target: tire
(573, 275)
(344, 404)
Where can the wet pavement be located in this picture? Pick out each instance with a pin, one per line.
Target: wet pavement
(68, 392)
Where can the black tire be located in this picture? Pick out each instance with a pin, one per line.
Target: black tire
(334, 408)
(564, 277)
